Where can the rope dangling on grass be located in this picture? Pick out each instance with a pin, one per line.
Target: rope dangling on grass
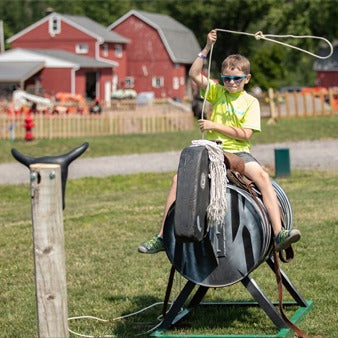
(218, 182)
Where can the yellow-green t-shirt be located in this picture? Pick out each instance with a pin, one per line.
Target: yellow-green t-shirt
(239, 110)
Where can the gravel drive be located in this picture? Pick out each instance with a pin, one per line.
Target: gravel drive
(307, 155)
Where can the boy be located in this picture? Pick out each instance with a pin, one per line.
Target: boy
(235, 117)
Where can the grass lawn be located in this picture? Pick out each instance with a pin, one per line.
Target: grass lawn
(106, 219)
(293, 129)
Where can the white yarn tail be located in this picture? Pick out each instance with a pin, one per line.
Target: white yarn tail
(218, 182)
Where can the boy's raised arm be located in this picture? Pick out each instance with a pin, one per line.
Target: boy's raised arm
(195, 71)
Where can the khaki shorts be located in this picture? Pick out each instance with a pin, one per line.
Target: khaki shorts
(246, 157)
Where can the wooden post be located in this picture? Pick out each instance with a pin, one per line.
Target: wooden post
(272, 119)
(48, 249)
(305, 104)
(287, 106)
(313, 104)
(295, 98)
(322, 102)
(331, 101)
(278, 99)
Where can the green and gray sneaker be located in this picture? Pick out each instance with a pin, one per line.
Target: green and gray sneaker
(153, 246)
(286, 237)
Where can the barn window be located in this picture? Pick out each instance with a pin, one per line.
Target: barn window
(157, 81)
(81, 48)
(105, 50)
(54, 25)
(129, 83)
(182, 81)
(176, 82)
(118, 51)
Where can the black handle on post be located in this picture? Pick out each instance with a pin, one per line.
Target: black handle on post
(63, 160)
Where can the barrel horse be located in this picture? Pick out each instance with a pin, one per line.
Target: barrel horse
(222, 255)
(207, 256)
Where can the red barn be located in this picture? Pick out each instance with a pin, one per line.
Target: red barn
(159, 54)
(58, 71)
(98, 56)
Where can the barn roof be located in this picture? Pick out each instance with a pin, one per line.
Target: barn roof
(54, 58)
(80, 60)
(96, 28)
(330, 64)
(82, 23)
(179, 40)
(17, 71)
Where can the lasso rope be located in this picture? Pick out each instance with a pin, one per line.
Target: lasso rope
(217, 207)
(268, 37)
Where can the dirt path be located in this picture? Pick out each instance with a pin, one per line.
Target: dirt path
(307, 155)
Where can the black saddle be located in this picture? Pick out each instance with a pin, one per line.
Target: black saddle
(63, 160)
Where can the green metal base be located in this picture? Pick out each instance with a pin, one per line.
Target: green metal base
(283, 333)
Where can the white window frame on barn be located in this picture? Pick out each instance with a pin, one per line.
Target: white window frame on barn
(81, 48)
(105, 50)
(129, 82)
(176, 82)
(54, 25)
(118, 51)
(157, 81)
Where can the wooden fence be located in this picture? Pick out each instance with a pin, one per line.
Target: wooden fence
(304, 103)
(125, 117)
(140, 120)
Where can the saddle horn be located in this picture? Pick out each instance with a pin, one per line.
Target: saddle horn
(63, 160)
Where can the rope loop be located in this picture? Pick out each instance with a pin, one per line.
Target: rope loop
(268, 37)
(272, 38)
(259, 35)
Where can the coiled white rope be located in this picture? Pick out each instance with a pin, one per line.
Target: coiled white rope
(218, 182)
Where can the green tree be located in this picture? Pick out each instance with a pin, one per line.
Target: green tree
(272, 65)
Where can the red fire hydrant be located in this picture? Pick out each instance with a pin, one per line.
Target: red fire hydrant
(29, 125)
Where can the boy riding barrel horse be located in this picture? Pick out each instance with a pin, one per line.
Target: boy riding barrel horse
(235, 117)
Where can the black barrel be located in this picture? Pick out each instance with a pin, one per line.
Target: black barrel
(230, 251)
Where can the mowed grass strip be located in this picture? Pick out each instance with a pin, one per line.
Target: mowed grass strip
(293, 129)
(107, 218)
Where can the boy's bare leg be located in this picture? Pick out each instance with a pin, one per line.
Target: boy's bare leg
(262, 180)
(170, 200)
(155, 244)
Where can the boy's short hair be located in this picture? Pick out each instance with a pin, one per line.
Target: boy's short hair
(236, 61)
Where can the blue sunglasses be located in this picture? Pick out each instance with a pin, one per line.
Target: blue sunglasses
(236, 79)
